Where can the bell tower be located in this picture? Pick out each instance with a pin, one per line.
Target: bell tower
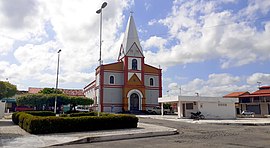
(131, 55)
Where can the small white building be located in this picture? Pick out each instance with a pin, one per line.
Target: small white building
(210, 107)
(2, 109)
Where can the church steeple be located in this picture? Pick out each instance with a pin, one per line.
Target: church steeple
(131, 44)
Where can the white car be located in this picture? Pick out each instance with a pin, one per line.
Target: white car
(157, 110)
(82, 109)
(246, 112)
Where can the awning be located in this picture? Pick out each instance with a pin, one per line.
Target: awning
(9, 100)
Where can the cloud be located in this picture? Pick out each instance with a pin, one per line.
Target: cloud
(35, 30)
(154, 41)
(5, 45)
(222, 79)
(205, 31)
(264, 78)
(147, 6)
(216, 85)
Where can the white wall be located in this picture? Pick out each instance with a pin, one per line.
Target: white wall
(90, 93)
(139, 75)
(112, 95)
(147, 80)
(151, 96)
(2, 109)
(212, 110)
(118, 78)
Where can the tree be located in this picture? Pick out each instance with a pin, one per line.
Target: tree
(7, 90)
(39, 100)
(50, 91)
(74, 101)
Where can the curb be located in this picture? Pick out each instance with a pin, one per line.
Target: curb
(215, 123)
(118, 137)
(243, 124)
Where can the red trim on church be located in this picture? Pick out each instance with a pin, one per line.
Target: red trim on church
(142, 67)
(125, 71)
(160, 83)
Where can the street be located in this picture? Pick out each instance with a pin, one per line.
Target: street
(195, 135)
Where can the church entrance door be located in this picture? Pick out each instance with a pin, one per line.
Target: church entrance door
(134, 102)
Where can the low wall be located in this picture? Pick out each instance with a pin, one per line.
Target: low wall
(2, 109)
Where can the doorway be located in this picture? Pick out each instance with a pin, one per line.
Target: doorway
(184, 109)
(134, 102)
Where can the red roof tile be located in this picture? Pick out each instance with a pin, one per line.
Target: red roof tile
(69, 92)
(260, 95)
(73, 92)
(32, 90)
(264, 87)
(236, 94)
(261, 91)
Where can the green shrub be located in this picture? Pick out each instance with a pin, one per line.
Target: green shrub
(51, 124)
(22, 117)
(83, 114)
(64, 115)
(15, 117)
(41, 113)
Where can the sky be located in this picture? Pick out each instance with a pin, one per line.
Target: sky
(210, 47)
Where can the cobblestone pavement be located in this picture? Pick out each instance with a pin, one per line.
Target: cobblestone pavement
(196, 135)
(9, 131)
(13, 136)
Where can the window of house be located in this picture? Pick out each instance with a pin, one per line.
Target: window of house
(111, 79)
(134, 64)
(222, 104)
(189, 105)
(151, 82)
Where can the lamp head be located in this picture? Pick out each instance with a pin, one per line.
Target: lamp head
(98, 11)
(103, 5)
(59, 51)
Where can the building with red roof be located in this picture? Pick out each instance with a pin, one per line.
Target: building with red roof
(69, 92)
(257, 102)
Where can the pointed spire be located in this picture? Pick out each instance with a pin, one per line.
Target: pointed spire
(131, 37)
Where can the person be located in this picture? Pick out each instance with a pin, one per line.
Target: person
(112, 108)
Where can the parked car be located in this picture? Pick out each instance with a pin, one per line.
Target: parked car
(82, 109)
(246, 112)
(23, 108)
(157, 110)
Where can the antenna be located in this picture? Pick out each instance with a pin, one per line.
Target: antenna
(259, 84)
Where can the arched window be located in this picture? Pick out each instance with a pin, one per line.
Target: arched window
(111, 79)
(134, 64)
(151, 82)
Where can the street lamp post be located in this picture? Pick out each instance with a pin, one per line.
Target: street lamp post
(99, 11)
(56, 85)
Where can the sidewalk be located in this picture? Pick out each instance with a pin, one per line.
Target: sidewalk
(238, 121)
(13, 136)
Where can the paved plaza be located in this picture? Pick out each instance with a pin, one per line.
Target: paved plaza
(149, 127)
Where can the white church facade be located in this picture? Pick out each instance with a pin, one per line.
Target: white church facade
(128, 84)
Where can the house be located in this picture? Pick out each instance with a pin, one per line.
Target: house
(69, 92)
(210, 107)
(128, 84)
(257, 102)
(236, 95)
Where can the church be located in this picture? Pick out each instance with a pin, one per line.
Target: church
(128, 84)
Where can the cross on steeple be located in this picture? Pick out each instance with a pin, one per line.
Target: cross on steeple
(131, 13)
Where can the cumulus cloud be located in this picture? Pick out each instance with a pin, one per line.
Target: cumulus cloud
(35, 30)
(263, 78)
(204, 31)
(216, 85)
